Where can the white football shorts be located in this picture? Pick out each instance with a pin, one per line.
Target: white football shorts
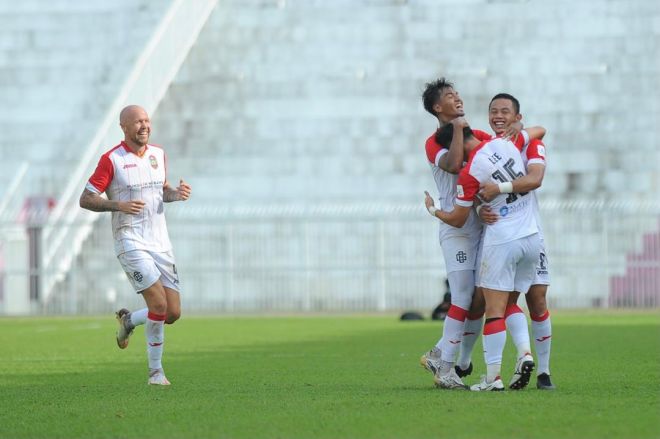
(460, 252)
(542, 276)
(143, 268)
(510, 266)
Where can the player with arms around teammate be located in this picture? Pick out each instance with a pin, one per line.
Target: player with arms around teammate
(510, 245)
(459, 244)
(503, 113)
(504, 110)
(133, 176)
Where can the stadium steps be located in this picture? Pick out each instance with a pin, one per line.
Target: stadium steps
(639, 286)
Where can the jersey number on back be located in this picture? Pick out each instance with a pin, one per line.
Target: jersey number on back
(499, 176)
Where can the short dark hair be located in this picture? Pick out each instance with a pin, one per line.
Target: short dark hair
(432, 93)
(444, 134)
(516, 104)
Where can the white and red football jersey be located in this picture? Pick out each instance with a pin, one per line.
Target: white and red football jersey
(125, 176)
(499, 161)
(445, 181)
(534, 153)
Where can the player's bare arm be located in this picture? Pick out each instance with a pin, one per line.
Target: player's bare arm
(180, 193)
(536, 132)
(452, 162)
(512, 131)
(455, 218)
(96, 203)
(529, 182)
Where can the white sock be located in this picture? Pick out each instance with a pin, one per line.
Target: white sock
(155, 332)
(542, 332)
(139, 317)
(516, 323)
(471, 332)
(494, 341)
(452, 333)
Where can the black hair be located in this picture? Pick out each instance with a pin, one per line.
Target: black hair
(516, 104)
(444, 134)
(432, 93)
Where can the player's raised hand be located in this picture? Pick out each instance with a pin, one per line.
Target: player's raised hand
(132, 207)
(460, 122)
(488, 192)
(428, 201)
(184, 190)
(513, 131)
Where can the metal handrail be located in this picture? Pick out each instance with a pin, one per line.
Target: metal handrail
(153, 72)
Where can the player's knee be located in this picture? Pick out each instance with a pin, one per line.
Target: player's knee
(172, 317)
(537, 306)
(477, 308)
(536, 302)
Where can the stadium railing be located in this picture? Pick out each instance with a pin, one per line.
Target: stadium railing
(348, 257)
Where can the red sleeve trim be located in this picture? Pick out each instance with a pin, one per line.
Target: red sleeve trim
(481, 135)
(467, 188)
(432, 150)
(104, 173)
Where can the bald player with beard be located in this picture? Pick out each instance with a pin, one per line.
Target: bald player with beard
(133, 176)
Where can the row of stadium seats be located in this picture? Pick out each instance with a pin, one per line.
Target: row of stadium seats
(61, 66)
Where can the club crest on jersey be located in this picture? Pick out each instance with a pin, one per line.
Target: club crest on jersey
(459, 190)
(153, 162)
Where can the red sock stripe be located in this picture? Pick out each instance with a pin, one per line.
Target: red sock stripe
(512, 308)
(475, 316)
(494, 326)
(457, 313)
(156, 317)
(540, 318)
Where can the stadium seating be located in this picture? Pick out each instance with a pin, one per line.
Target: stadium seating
(297, 102)
(62, 63)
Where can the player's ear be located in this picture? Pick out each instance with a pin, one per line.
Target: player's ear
(518, 117)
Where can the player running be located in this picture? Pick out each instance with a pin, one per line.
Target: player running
(133, 176)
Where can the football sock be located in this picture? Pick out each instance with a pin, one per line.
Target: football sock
(471, 332)
(542, 332)
(138, 317)
(155, 332)
(494, 341)
(452, 332)
(516, 322)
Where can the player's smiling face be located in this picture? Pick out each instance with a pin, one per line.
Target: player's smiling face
(450, 105)
(138, 128)
(501, 114)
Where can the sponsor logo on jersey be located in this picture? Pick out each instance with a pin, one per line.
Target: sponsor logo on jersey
(153, 161)
(137, 276)
(512, 208)
(461, 257)
(130, 165)
(459, 190)
(145, 184)
(541, 151)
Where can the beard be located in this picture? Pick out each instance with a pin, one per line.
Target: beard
(138, 139)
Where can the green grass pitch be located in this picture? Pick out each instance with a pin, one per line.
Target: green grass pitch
(318, 377)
